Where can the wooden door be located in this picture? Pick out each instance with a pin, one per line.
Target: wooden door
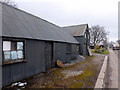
(48, 55)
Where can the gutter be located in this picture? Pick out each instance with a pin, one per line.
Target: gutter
(101, 77)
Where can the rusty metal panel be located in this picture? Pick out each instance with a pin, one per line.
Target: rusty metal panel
(77, 30)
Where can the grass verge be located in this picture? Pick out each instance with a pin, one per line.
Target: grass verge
(104, 52)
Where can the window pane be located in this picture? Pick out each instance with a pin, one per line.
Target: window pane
(13, 55)
(13, 45)
(19, 45)
(6, 45)
(20, 54)
(7, 55)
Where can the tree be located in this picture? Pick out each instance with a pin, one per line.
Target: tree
(98, 35)
(105, 43)
(10, 3)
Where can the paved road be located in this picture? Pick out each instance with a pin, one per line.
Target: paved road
(113, 65)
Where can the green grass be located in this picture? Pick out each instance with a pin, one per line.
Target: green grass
(93, 51)
(78, 81)
(104, 52)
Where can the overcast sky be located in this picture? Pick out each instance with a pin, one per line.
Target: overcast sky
(75, 12)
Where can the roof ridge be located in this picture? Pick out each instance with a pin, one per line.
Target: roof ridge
(75, 25)
(36, 29)
(29, 14)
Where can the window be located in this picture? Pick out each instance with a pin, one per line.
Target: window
(78, 48)
(13, 50)
(68, 48)
(85, 35)
(6, 45)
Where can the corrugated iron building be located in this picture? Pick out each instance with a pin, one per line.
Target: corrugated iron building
(32, 45)
(82, 35)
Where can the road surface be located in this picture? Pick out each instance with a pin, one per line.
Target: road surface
(113, 69)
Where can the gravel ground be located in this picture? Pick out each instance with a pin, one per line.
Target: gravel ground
(81, 74)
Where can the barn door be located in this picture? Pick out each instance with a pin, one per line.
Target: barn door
(79, 49)
(48, 54)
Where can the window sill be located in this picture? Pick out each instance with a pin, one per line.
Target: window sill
(13, 62)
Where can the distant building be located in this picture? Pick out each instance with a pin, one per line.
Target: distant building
(82, 35)
(118, 42)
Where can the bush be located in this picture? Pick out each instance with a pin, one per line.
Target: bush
(97, 48)
(100, 50)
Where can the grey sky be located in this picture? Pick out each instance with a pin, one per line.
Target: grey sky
(74, 12)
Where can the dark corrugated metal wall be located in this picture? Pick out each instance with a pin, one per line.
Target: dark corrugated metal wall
(82, 41)
(39, 56)
(74, 51)
(48, 55)
(35, 63)
(60, 52)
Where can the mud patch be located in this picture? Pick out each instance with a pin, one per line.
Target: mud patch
(68, 73)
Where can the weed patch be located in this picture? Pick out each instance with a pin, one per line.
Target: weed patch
(56, 79)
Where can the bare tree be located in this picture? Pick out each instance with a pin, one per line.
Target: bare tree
(105, 43)
(10, 3)
(98, 35)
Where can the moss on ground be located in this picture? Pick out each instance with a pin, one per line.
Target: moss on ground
(78, 81)
(85, 77)
(55, 79)
(76, 85)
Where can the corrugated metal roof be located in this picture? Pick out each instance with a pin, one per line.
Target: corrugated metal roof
(17, 23)
(77, 30)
